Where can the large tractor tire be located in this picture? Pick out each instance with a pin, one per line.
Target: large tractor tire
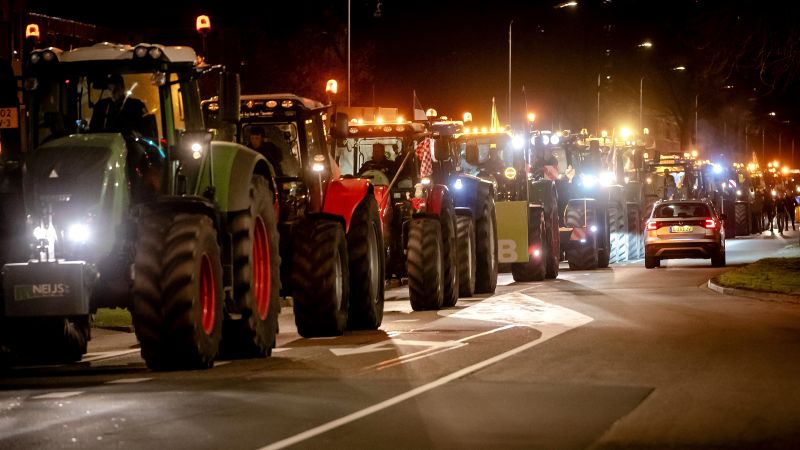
(46, 340)
(320, 275)
(742, 218)
(191, 294)
(465, 249)
(256, 277)
(535, 268)
(425, 264)
(366, 253)
(584, 257)
(635, 246)
(447, 219)
(617, 228)
(486, 248)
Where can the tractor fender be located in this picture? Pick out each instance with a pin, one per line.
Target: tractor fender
(381, 196)
(436, 198)
(234, 166)
(543, 192)
(342, 197)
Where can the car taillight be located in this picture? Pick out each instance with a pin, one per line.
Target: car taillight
(652, 225)
(710, 224)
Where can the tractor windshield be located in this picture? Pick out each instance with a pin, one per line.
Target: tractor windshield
(377, 158)
(278, 142)
(486, 154)
(127, 103)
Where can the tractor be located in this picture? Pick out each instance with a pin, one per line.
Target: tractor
(525, 202)
(130, 203)
(331, 246)
(418, 212)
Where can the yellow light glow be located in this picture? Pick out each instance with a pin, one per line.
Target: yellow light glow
(332, 87)
(625, 132)
(776, 164)
(604, 133)
(474, 129)
(510, 173)
(686, 154)
(649, 180)
(531, 117)
(484, 130)
(694, 153)
(379, 120)
(361, 121)
(400, 119)
(467, 117)
(785, 170)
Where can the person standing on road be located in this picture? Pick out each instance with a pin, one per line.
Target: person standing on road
(780, 207)
(790, 203)
(769, 210)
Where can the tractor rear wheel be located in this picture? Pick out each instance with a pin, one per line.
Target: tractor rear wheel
(425, 264)
(486, 247)
(256, 277)
(535, 268)
(465, 248)
(46, 340)
(320, 275)
(366, 254)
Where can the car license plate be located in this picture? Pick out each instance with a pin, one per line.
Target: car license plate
(681, 229)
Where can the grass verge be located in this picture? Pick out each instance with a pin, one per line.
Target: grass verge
(781, 275)
(113, 318)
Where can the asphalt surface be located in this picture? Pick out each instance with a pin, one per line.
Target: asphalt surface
(621, 357)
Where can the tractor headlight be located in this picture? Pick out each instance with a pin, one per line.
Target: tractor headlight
(554, 139)
(458, 184)
(518, 142)
(39, 233)
(79, 233)
(607, 178)
(155, 52)
(589, 180)
(510, 173)
(197, 150)
(545, 139)
(35, 57)
(425, 181)
(593, 228)
(140, 51)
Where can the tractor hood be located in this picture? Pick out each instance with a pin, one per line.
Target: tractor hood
(79, 179)
(79, 169)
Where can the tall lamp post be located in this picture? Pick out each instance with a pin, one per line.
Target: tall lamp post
(510, 24)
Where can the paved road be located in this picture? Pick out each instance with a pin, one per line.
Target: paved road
(623, 357)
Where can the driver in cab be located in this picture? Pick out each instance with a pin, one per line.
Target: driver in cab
(378, 161)
(118, 113)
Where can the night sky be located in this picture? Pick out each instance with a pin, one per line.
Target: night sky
(455, 54)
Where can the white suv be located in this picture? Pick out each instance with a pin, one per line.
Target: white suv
(684, 229)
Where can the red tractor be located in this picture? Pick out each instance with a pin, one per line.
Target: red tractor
(419, 216)
(331, 246)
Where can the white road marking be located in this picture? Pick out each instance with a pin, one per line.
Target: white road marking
(405, 320)
(281, 349)
(89, 357)
(128, 380)
(221, 363)
(390, 344)
(431, 351)
(563, 320)
(63, 394)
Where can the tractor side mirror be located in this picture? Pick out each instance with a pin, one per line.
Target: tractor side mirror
(229, 97)
(441, 149)
(340, 122)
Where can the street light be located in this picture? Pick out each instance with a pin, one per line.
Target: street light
(566, 5)
(679, 68)
(646, 44)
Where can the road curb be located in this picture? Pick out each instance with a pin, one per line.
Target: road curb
(765, 296)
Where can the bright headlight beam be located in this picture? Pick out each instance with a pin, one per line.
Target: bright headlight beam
(78, 232)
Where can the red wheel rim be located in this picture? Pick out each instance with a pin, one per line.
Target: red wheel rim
(208, 295)
(261, 268)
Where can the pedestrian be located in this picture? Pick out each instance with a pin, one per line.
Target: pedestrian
(781, 214)
(790, 202)
(769, 210)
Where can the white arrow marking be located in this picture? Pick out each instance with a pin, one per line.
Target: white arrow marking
(523, 310)
(64, 394)
(391, 344)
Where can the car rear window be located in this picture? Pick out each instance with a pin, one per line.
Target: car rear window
(675, 210)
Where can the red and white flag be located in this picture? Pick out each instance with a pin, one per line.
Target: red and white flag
(424, 158)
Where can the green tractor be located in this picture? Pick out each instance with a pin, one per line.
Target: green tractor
(131, 204)
(526, 202)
